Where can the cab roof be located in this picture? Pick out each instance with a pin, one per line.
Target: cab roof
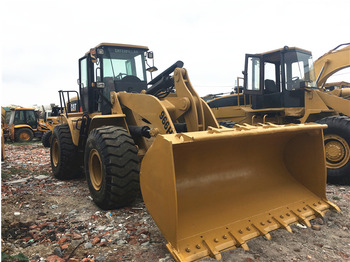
(23, 109)
(281, 49)
(120, 45)
(275, 55)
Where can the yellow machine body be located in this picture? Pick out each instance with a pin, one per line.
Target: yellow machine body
(208, 188)
(215, 190)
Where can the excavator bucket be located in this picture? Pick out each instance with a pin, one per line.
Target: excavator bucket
(214, 190)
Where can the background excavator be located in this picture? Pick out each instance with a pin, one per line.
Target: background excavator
(330, 63)
(208, 188)
(284, 86)
(23, 124)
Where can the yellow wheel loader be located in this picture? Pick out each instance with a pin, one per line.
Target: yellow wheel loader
(46, 125)
(280, 87)
(208, 188)
(72, 105)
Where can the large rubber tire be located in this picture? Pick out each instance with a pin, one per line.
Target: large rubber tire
(65, 160)
(337, 147)
(227, 123)
(112, 167)
(46, 138)
(24, 135)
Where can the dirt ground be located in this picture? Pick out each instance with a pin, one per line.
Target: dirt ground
(50, 220)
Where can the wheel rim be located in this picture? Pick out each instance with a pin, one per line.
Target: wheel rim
(337, 151)
(95, 169)
(55, 152)
(24, 136)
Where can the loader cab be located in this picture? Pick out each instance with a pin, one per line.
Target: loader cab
(110, 67)
(23, 116)
(277, 79)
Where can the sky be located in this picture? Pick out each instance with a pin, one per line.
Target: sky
(43, 40)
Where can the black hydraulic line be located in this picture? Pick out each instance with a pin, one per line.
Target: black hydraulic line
(140, 131)
(340, 46)
(163, 81)
(166, 72)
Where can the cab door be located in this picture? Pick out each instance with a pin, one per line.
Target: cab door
(87, 92)
(31, 119)
(253, 75)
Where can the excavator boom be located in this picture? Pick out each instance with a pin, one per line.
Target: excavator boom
(331, 62)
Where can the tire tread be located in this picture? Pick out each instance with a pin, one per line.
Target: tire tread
(121, 170)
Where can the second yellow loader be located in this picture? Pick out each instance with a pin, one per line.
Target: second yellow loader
(284, 86)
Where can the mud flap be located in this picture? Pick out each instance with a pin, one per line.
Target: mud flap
(214, 190)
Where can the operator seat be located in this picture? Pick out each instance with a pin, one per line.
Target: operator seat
(129, 83)
(270, 87)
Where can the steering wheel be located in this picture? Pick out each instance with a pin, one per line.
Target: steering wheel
(119, 76)
(130, 78)
(295, 82)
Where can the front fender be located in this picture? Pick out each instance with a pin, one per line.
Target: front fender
(22, 126)
(108, 120)
(74, 122)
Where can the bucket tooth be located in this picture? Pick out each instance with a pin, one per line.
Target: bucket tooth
(176, 255)
(239, 240)
(213, 252)
(262, 231)
(301, 218)
(333, 206)
(316, 210)
(283, 224)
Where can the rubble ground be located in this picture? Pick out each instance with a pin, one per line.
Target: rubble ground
(45, 219)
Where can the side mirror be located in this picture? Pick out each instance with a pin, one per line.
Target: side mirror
(150, 55)
(152, 69)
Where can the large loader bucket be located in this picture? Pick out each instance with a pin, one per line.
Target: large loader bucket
(215, 190)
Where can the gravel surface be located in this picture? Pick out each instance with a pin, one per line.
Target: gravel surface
(45, 219)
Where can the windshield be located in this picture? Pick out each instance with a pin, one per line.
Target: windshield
(119, 62)
(298, 67)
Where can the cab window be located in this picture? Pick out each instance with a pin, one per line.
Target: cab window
(121, 62)
(19, 118)
(253, 74)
